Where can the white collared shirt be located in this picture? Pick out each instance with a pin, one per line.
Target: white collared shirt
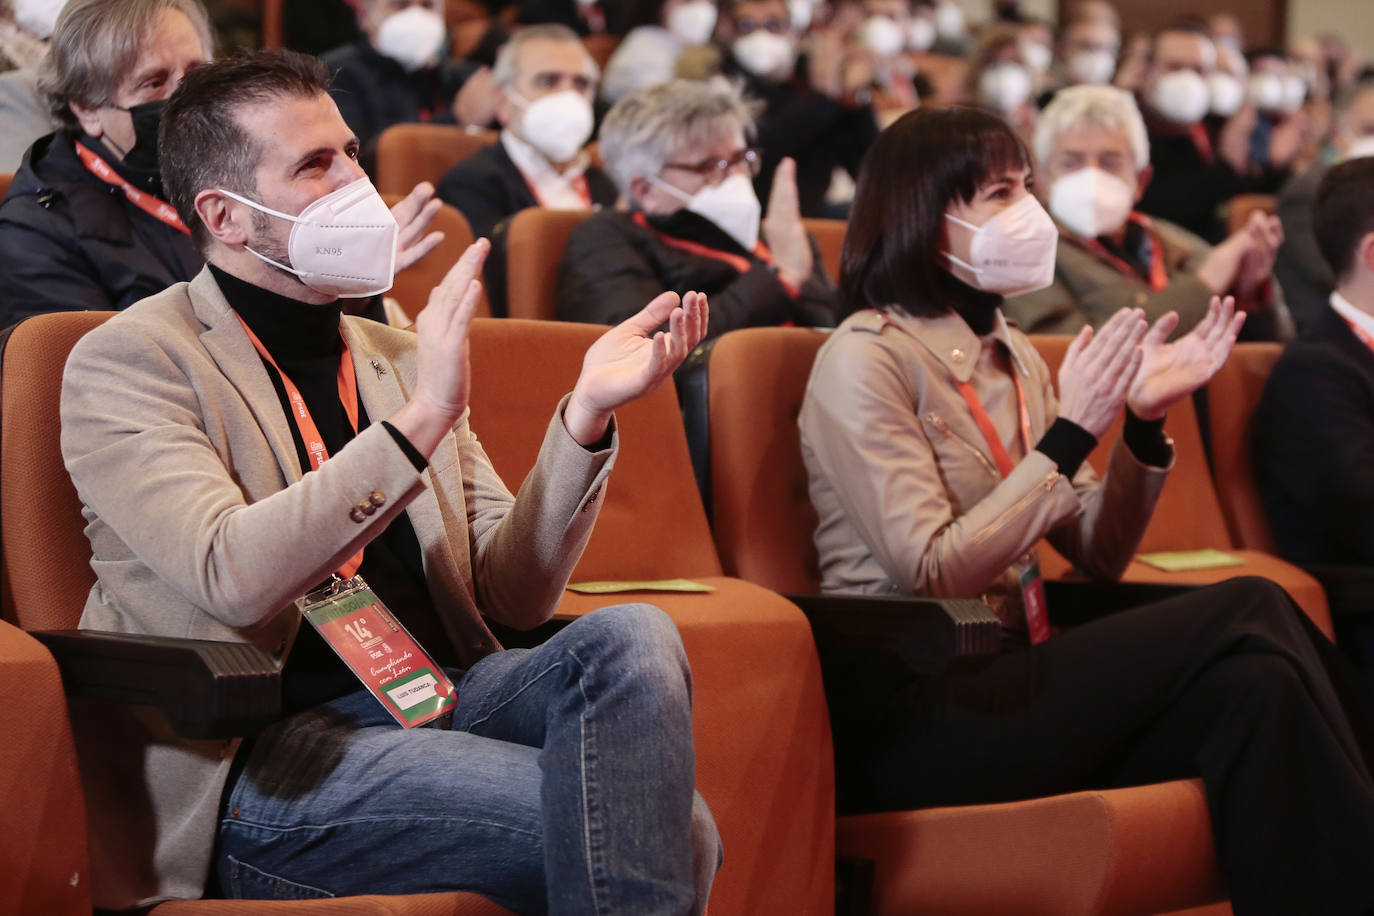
(1362, 320)
(552, 189)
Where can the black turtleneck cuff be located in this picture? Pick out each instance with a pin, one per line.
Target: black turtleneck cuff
(1068, 445)
(1146, 440)
(976, 307)
(411, 451)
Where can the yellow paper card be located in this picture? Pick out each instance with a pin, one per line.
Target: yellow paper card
(1184, 560)
(656, 585)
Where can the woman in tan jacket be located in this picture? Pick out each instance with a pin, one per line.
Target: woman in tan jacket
(939, 457)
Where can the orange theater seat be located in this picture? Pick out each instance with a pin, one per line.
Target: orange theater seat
(829, 235)
(1188, 515)
(5, 179)
(1138, 850)
(408, 154)
(1232, 396)
(535, 239)
(412, 287)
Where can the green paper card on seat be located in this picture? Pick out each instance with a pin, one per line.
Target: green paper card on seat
(656, 585)
(1185, 560)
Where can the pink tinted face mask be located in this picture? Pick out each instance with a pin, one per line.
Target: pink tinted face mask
(1011, 253)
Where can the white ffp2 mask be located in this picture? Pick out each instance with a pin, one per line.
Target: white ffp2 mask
(413, 38)
(557, 124)
(1011, 253)
(693, 22)
(1091, 202)
(1227, 93)
(1182, 96)
(732, 205)
(343, 244)
(765, 54)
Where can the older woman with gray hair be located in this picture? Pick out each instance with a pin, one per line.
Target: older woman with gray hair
(1093, 164)
(680, 154)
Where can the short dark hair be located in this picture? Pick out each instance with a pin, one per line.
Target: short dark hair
(1343, 212)
(201, 143)
(911, 173)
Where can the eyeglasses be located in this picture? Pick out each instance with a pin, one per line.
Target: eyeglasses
(746, 24)
(715, 169)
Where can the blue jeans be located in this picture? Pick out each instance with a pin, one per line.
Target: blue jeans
(564, 786)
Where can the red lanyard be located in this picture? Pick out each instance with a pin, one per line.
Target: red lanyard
(1159, 274)
(305, 424)
(1203, 141)
(738, 263)
(980, 416)
(1361, 333)
(579, 186)
(158, 209)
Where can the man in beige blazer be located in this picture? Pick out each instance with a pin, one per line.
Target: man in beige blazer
(564, 782)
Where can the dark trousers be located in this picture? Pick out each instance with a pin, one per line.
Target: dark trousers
(1229, 683)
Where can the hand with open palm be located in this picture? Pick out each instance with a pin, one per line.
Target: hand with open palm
(1170, 371)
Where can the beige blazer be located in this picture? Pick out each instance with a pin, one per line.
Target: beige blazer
(201, 525)
(908, 496)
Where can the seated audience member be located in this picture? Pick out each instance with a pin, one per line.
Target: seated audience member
(1088, 49)
(999, 80)
(1281, 127)
(679, 153)
(1230, 684)
(562, 762)
(1094, 161)
(1314, 427)
(1300, 267)
(547, 82)
(817, 106)
(398, 72)
(649, 53)
(24, 34)
(85, 224)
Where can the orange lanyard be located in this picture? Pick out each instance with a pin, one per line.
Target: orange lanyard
(1360, 332)
(740, 264)
(1159, 274)
(305, 424)
(980, 416)
(579, 186)
(154, 207)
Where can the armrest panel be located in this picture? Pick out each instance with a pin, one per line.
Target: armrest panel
(925, 633)
(205, 688)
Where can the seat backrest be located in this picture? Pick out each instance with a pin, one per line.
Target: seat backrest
(829, 235)
(5, 179)
(44, 554)
(1188, 515)
(761, 510)
(600, 47)
(652, 523)
(412, 287)
(535, 240)
(273, 37)
(408, 154)
(1239, 208)
(1232, 396)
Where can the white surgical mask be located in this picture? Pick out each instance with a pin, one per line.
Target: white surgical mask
(38, 16)
(343, 244)
(732, 205)
(413, 38)
(949, 20)
(1227, 93)
(1093, 68)
(1036, 55)
(920, 34)
(1091, 202)
(1011, 253)
(800, 12)
(764, 53)
(883, 36)
(1182, 96)
(557, 124)
(1005, 86)
(1359, 148)
(1266, 91)
(1294, 93)
(692, 23)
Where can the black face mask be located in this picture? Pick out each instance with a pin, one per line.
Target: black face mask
(146, 117)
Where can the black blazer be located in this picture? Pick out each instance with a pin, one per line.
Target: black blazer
(1313, 447)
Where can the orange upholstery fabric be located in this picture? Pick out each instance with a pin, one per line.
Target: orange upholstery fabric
(601, 46)
(408, 154)
(412, 287)
(42, 812)
(1188, 515)
(272, 32)
(1232, 396)
(534, 244)
(1084, 853)
(1240, 207)
(5, 179)
(371, 905)
(829, 235)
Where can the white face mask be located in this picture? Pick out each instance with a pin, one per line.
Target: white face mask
(1227, 93)
(1037, 56)
(1005, 86)
(1091, 202)
(1093, 68)
(920, 34)
(343, 244)
(38, 16)
(949, 20)
(557, 124)
(1182, 96)
(413, 38)
(1294, 93)
(764, 54)
(732, 205)
(692, 23)
(800, 12)
(1011, 253)
(1266, 91)
(1359, 148)
(883, 36)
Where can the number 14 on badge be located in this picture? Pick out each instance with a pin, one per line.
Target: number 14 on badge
(380, 652)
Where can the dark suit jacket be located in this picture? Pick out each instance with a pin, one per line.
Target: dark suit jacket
(1313, 447)
(1300, 268)
(486, 188)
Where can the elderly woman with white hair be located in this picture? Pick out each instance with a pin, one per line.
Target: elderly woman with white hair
(679, 154)
(1093, 164)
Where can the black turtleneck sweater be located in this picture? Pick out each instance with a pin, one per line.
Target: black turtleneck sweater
(1065, 442)
(304, 340)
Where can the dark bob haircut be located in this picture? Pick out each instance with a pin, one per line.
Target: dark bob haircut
(909, 176)
(1343, 213)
